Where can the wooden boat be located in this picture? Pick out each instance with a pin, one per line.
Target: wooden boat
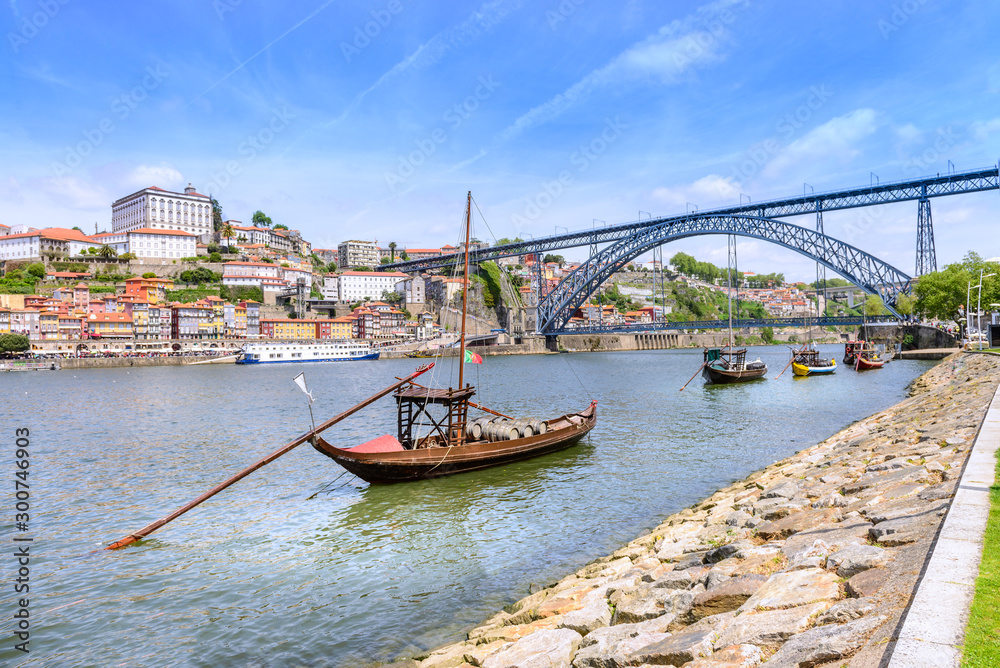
(726, 365)
(807, 362)
(851, 349)
(435, 437)
(868, 360)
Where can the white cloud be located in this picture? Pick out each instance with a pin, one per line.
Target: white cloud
(909, 134)
(163, 176)
(665, 56)
(836, 140)
(708, 192)
(982, 130)
(74, 193)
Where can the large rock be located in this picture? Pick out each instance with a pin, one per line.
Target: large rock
(616, 653)
(609, 635)
(867, 582)
(794, 588)
(796, 522)
(674, 580)
(516, 631)
(853, 559)
(642, 603)
(846, 611)
(676, 650)
(825, 643)
(553, 648)
(567, 601)
(835, 535)
(729, 595)
(594, 614)
(786, 490)
(768, 629)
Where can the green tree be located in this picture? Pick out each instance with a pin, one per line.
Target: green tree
(214, 257)
(558, 259)
(767, 333)
(261, 220)
(331, 268)
(404, 257)
(280, 226)
(385, 260)
(392, 251)
(873, 306)
(36, 269)
(149, 274)
(683, 263)
(13, 343)
(76, 228)
(107, 251)
(905, 304)
(127, 256)
(227, 232)
(216, 215)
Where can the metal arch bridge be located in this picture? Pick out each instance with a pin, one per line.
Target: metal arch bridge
(921, 190)
(864, 270)
(628, 240)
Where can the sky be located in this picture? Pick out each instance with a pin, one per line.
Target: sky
(372, 120)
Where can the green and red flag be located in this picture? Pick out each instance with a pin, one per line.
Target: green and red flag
(472, 358)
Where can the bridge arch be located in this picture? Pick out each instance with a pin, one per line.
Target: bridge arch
(861, 268)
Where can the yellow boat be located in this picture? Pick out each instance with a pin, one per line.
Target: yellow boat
(808, 363)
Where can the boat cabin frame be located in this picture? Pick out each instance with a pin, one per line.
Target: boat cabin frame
(413, 416)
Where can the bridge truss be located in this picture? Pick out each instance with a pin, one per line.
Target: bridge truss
(864, 270)
(741, 323)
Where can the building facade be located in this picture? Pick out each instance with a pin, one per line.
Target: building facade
(161, 209)
(354, 253)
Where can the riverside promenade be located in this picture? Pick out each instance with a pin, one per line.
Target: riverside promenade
(813, 561)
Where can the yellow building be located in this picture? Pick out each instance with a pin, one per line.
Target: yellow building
(288, 328)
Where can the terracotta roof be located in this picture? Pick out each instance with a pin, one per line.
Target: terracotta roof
(58, 233)
(375, 273)
(250, 264)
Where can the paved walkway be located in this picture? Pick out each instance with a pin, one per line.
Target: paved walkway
(934, 629)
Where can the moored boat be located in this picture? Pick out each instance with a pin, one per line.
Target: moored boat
(728, 365)
(434, 436)
(866, 362)
(274, 352)
(807, 362)
(851, 349)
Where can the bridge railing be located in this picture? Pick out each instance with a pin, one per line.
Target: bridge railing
(740, 323)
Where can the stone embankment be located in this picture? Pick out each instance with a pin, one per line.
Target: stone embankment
(809, 562)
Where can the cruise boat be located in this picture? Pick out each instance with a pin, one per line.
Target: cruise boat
(327, 351)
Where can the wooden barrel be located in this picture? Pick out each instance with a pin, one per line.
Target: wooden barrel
(539, 426)
(510, 432)
(473, 430)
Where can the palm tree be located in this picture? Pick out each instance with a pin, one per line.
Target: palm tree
(392, 251)
(227, 232)
(107, 251)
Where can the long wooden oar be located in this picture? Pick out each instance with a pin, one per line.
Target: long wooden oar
(787, 365)
(145, 531)
(692, 377)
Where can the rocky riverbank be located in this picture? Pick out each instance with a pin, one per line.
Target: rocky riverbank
(809, 562)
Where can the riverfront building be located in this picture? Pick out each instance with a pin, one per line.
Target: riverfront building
(362, 285)
(147, 242)
(161, 209)
(356, 253)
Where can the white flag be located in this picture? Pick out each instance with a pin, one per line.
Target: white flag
(300, 380)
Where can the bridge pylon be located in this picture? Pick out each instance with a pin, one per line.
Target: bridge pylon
(926, 256)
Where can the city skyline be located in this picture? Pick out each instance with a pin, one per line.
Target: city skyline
(338, 118)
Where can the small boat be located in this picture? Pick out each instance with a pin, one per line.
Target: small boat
(851, 349)
(275, 352)
(868, 360)
(434, 436)
(728, 365)
(807, 362)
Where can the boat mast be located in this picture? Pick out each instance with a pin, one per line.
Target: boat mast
(729, 280)
(465, 291)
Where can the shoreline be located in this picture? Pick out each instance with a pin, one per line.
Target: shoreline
(814, 559)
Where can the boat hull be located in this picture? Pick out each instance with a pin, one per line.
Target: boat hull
(717, 375)
(357, 358)
(805, 370)
(862, 364)
(407, 465)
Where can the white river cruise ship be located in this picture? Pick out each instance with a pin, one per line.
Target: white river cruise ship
(333, 351)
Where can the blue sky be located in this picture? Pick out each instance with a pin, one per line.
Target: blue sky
(372, 119)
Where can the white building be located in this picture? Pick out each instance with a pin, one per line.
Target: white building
(161, 209)
(351, 254)
(253, 275)
(412, 289)
(368, 285)
(292, 275)
(331, 287)
(147, 242)
(52, 240)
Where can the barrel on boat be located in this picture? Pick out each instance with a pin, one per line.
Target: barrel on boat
(539, 426)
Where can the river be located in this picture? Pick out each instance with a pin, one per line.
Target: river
(267, 574)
